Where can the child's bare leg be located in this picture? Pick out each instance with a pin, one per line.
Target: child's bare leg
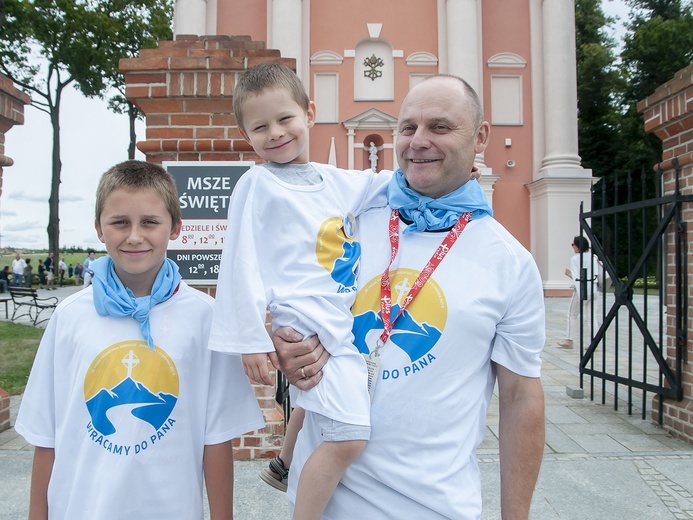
(320, 476)
(291, 434)
(286, 454)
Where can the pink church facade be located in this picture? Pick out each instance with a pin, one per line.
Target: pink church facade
(359, 59)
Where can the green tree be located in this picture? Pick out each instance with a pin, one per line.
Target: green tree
(136, 25)
(659, 42)
(598, 82)
(46, 45)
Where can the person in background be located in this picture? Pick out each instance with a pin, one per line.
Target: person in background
(4, 278)
(62, 268)
(41, 275)
(582, 258)
(50, 275)
(18, 265)
(28, 275)
(78, 273)
(70, 271)
(87, 273)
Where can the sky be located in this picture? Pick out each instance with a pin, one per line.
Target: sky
(92, 140)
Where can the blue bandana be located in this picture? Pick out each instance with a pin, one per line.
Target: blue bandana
(436, 214)
(112, 298)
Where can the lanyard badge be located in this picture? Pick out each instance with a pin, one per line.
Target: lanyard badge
(373, 359)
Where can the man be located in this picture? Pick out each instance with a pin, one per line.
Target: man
(48, 264)
(62, 267)
(18, 265)
(4, 278)
(87, 273)
(477, 318)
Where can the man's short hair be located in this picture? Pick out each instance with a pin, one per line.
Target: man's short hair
(139, 175)
(472, 97)
(267, 76)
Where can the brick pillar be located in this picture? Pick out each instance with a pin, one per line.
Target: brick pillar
(12, 103)
(668, 113)
(185, 89)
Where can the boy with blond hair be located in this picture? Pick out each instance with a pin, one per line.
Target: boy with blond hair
(291, 246)
(126, 406)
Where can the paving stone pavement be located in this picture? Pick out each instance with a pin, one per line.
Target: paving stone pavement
(599, 462)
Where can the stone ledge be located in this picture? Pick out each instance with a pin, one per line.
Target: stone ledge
(574, 393)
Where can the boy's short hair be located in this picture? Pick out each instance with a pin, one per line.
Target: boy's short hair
(266, 76)
(138, 175)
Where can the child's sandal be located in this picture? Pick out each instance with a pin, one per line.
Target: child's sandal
(276, 467)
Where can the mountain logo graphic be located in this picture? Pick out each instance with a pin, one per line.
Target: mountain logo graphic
(338, 252)
(128, 378)
(415, 332)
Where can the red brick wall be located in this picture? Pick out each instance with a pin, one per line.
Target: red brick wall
(12, 103)
(185, 89)
(668, 113)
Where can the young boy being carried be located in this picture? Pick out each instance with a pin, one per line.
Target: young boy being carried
(290, 246)
(125, 404)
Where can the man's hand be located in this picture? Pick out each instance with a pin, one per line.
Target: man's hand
(300, 361)
(257, 369)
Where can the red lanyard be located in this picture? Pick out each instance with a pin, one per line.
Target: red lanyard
(433, 263)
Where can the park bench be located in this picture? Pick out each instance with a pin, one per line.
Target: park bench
(27, 303)
(4, 298)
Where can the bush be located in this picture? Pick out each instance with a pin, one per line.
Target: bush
(639, 283)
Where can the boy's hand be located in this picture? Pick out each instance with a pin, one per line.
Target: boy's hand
(301, 361)
(256, 367)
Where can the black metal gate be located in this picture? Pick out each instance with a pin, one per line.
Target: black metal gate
(623, 331)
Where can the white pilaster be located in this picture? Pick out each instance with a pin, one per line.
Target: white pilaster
(442, 37)
(395, 162)
(464, 47)
(286, 30)
(190, 17)
(487, 180)
(350, 152)
(560, 89)
(211, 17)
(463, 41)
(554, 221)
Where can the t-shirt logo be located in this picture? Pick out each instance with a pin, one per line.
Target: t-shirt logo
(130, 392)
(415, 332)
(339, 253)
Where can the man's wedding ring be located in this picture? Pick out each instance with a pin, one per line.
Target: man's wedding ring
(303, 372)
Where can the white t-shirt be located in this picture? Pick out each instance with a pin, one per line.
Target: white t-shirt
(291, 247)
(587, 263)
(483, 303)
(128, 424)
(18, 266)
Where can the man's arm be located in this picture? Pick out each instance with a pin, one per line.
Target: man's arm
(297, 358)
(218, 469)
(522, 432)
(40, 476)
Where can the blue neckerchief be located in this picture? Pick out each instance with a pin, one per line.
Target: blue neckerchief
(436, 214)
(112, 298)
